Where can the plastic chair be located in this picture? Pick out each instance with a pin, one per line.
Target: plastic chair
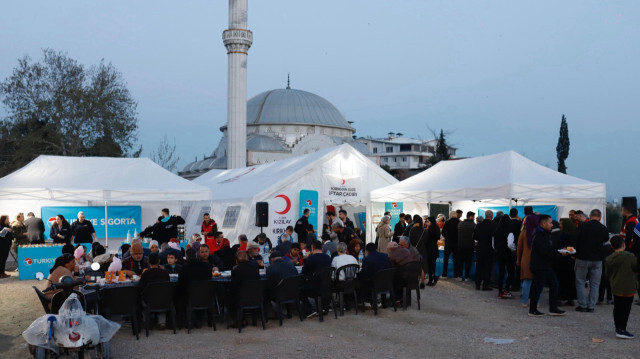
(201, 295)
(324, 292)
(408, 279)
(346, 286)
(158, 298)
(383, 284)
(250, 296)
(287, 292)
(43, 300)
(121, 301)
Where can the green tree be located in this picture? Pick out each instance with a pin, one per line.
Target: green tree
(57, 106)
(562, 148)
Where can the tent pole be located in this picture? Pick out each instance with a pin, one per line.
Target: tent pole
(106, 226)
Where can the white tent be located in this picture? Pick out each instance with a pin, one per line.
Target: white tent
(506, 178)
(96, 181)
(339, 175)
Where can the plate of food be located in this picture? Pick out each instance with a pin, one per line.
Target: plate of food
(569, 250)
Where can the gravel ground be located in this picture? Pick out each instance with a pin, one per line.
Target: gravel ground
(453, 322)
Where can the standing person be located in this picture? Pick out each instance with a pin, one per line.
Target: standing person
(503, 256)
(630, 220)
(466, 246)
(589, 238)
(342, 214)
(543, 257)
(35, 228)
(19, 232)
(565, 267)
(483, 234)
(302, 224)
(514, 229)
(168, 227)
(209, 230)
(344, 234)
(399, 228)
(525, 240)
(82, 230)
(622, 267)
(6, 239)
(384, 234)
(418, 237)
(61, 231)
(431, 246)
(450, 234)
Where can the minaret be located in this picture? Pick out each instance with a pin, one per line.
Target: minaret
(237, 39)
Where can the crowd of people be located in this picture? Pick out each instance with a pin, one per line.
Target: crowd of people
(568, 256)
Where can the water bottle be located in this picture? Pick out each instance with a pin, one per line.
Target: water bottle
(265, 259)
(128, 237)
(360, 257)
(120, 253)
(329, 253)
(135, 233)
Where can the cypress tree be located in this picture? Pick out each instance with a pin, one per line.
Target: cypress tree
(562, 149)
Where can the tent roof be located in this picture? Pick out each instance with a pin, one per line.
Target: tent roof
(97, 179)
(504, 175)
(236, 184)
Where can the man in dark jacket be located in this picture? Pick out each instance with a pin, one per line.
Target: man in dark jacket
(35, 228)
(450, 234)
(316, 261)
(193, 270)
(345, 234)
(168, 226)
(630, 220)
(372, 263)
(466, 245)
(543, 257)
(212, 260)
(342, 214)
(279, 269)
(399, 228)
(514, 227)
(589, 238)
(483, 234)
(301, 225)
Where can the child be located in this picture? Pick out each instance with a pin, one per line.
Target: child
(621, 268)
(171, 265)
(294, 256)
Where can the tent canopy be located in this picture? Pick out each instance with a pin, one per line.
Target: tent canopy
(506, 175)
(97, 179)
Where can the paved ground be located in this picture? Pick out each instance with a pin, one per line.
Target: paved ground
(453, 322)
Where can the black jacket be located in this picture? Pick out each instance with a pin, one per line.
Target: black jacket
(543, 255)
(588, 239)
(450, 232)
(280, 270)
(465, 234)
(214, 261)
(152, 232)
(373, 263)
(484, 235)
(243, 272)
(347, 235)
(192, 271)
(301, 228)
(64, 230)
(172, 270)
(398, 230)
(169, 229)
(82, 232)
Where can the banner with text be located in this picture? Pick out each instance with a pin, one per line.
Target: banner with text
(309, 199)
(343, 190)
(281, 215)
(121, 218)
(395, 208)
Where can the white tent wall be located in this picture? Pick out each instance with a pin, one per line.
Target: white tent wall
(341, 176)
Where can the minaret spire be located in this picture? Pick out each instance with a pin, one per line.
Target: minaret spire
(288, 86)
(237, 39)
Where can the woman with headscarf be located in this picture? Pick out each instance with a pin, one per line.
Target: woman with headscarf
(384, 234)
(529, 225)
(503, 256)
(418, 239)
(433, 236)
(564, 267)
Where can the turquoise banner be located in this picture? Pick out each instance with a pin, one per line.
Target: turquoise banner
(122, 219)
(32, 260)
(309, 199)
(395, 208)
(549, 210)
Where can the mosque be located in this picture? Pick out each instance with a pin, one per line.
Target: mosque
(283, 123)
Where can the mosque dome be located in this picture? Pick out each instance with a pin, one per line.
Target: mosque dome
(292, 107)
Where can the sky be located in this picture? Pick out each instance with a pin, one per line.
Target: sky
(495, 75)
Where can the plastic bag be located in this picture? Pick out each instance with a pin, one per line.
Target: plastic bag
(511, 242)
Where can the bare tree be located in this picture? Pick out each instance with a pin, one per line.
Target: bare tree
(165, 155)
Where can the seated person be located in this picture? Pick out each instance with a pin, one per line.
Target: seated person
(145, 251)
(243, 241)
(279, 269)
(212, 260)
(155, 273)
(316, 261)
(372, 263)
(243, 271)
(193, 270)
(285, 245)
(137, 262)
(253, 251)
(294, 255)
(264, 242)
(404, 242)
(311, 236)
(328, 246)
(303, 250)
(354, 248)
(227, 256)
(172, 248)
(153, 246)
(289, 234)
(172, 266)
(101, 256)
(63, 266)
(218, 243)
(342, 259)
(398, 256)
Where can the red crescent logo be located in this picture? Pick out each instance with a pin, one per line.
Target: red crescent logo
(287, 200)
(28, 261)
(343, 182)
(51, 221)
(309, 202)
(395, 205)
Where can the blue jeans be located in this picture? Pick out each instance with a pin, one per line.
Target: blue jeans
(526, 289)
(588, 270)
